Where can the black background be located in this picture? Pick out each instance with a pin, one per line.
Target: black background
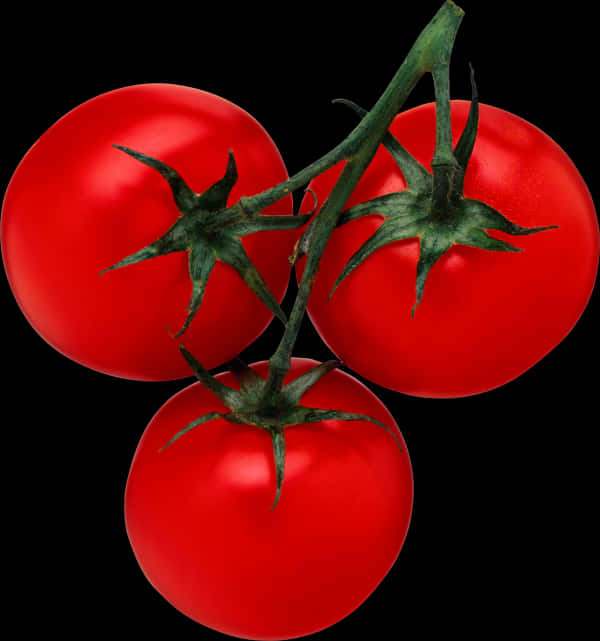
(501, 535)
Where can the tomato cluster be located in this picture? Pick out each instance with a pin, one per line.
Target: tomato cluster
(199, 513)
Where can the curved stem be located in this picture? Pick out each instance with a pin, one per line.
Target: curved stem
(434, 44)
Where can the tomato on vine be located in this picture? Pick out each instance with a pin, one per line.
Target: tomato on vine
(200, 511)
(145, 172)
(438, 308)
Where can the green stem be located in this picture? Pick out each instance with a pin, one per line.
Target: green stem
(433, 45)
(444, 165)
(444, 153)
(255, 204)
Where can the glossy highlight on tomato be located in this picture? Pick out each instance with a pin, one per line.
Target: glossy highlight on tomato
(485, 316)
(199, 518)
(76, 205)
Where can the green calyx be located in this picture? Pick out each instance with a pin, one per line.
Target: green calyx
(209, 230)
(432, 208)
(272, 412)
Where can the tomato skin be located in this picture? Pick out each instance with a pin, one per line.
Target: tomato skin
(485, 317)
(76, 205)
(199, 519)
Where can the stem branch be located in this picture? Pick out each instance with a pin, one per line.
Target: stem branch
(432, 46)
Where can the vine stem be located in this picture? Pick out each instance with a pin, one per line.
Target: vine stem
(432, 47)
(444, 164)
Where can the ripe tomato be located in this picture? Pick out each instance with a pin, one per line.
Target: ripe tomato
(486, 316)
(198, 514)
(76, 206)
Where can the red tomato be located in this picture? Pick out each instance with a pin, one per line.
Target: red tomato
(76, 206)
(486, 316)
(199, 518)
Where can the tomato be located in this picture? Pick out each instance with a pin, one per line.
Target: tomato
(76, 206)
(198, 513)
(485, 316)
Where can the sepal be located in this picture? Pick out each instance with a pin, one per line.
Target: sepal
(415, 212)
(210, 230)
(249, 406)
